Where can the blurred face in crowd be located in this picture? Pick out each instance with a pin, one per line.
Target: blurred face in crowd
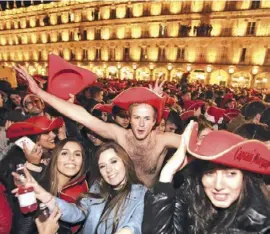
(122, 118)
(223, 186)
(112, 168)
(142, 120)
(170, 126)
(33, 105)
(94, 139)
(47, 140)
(104, 116)
(16, 99)
(186, 96)
(1, 100)
(99, 96)
(70, 159)
(161, 126)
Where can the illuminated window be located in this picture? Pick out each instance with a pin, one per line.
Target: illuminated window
(255, 4)
(251, 28)
(243, 55)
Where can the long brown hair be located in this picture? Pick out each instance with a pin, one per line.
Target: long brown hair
(118, 201)
(52, 168)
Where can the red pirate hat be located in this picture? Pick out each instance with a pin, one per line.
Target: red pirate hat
(187, 114)
(231, 114)
(214, 114)
(226, 98)
(66, 78)
(193, 104)
(103, 107)
(230, 150)
(33, 126)
(166, 113)
(140, 95)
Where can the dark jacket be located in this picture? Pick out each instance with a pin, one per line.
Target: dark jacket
(5, 212)
(166, 212)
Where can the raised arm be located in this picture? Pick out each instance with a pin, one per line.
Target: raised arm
(72, 111)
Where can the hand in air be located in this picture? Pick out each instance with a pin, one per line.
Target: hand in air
(158, 88)
(25, 76)
(28, 181)
(179, 159)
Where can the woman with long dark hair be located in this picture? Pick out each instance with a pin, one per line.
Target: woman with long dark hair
(115, 202)
(65, 176)
(223, 195)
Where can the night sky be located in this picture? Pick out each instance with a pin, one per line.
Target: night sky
(26, 3)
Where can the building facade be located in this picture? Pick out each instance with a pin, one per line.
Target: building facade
(219, 42)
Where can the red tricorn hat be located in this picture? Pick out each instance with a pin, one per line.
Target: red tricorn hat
(187, 114)
(230, 150)
(104, 107)
(193, 104)
(214, 114)
(66, 78)
(231, 114)
(166, 113)
(140, 95)
(33, 126)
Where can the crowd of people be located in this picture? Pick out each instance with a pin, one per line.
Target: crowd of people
(132, 157)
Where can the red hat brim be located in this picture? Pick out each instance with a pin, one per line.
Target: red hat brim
(33, 126)
(104, 107)
(140, 95)
(66, 78)
(230, 150)
(193, 105)
(187, 114)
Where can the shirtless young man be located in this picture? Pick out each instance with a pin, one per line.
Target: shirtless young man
(145, 146)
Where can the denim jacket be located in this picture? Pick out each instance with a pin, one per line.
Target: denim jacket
(131, 217)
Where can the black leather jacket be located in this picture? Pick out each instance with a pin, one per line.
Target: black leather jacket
(165, 212)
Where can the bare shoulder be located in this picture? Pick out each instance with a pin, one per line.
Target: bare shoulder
(169, 139)
(119, 131)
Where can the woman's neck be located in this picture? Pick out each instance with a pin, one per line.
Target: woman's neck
(62, 181)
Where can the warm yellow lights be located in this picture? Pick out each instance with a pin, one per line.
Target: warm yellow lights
(255, 70)
(189, 67)
(209, 68)
(231, 70)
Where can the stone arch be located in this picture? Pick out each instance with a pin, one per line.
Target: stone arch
(143, 73)
(219, 77)
(241, 79)
(160, 71)
(126, 72)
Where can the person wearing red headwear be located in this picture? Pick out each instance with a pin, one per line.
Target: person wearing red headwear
(222, 194)
(146, 147)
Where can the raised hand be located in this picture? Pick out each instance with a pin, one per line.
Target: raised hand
(28, 181)
(158, 88)
(34, 155)
(26, 76)
(179, 159)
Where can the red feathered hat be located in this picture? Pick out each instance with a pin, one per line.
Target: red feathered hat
(214, 114)
(33, 126)
(66, 78)
(193, 104)
(140, 95)
(230, 150)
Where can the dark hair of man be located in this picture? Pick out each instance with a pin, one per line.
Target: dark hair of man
(254, 108)
(265, 118)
